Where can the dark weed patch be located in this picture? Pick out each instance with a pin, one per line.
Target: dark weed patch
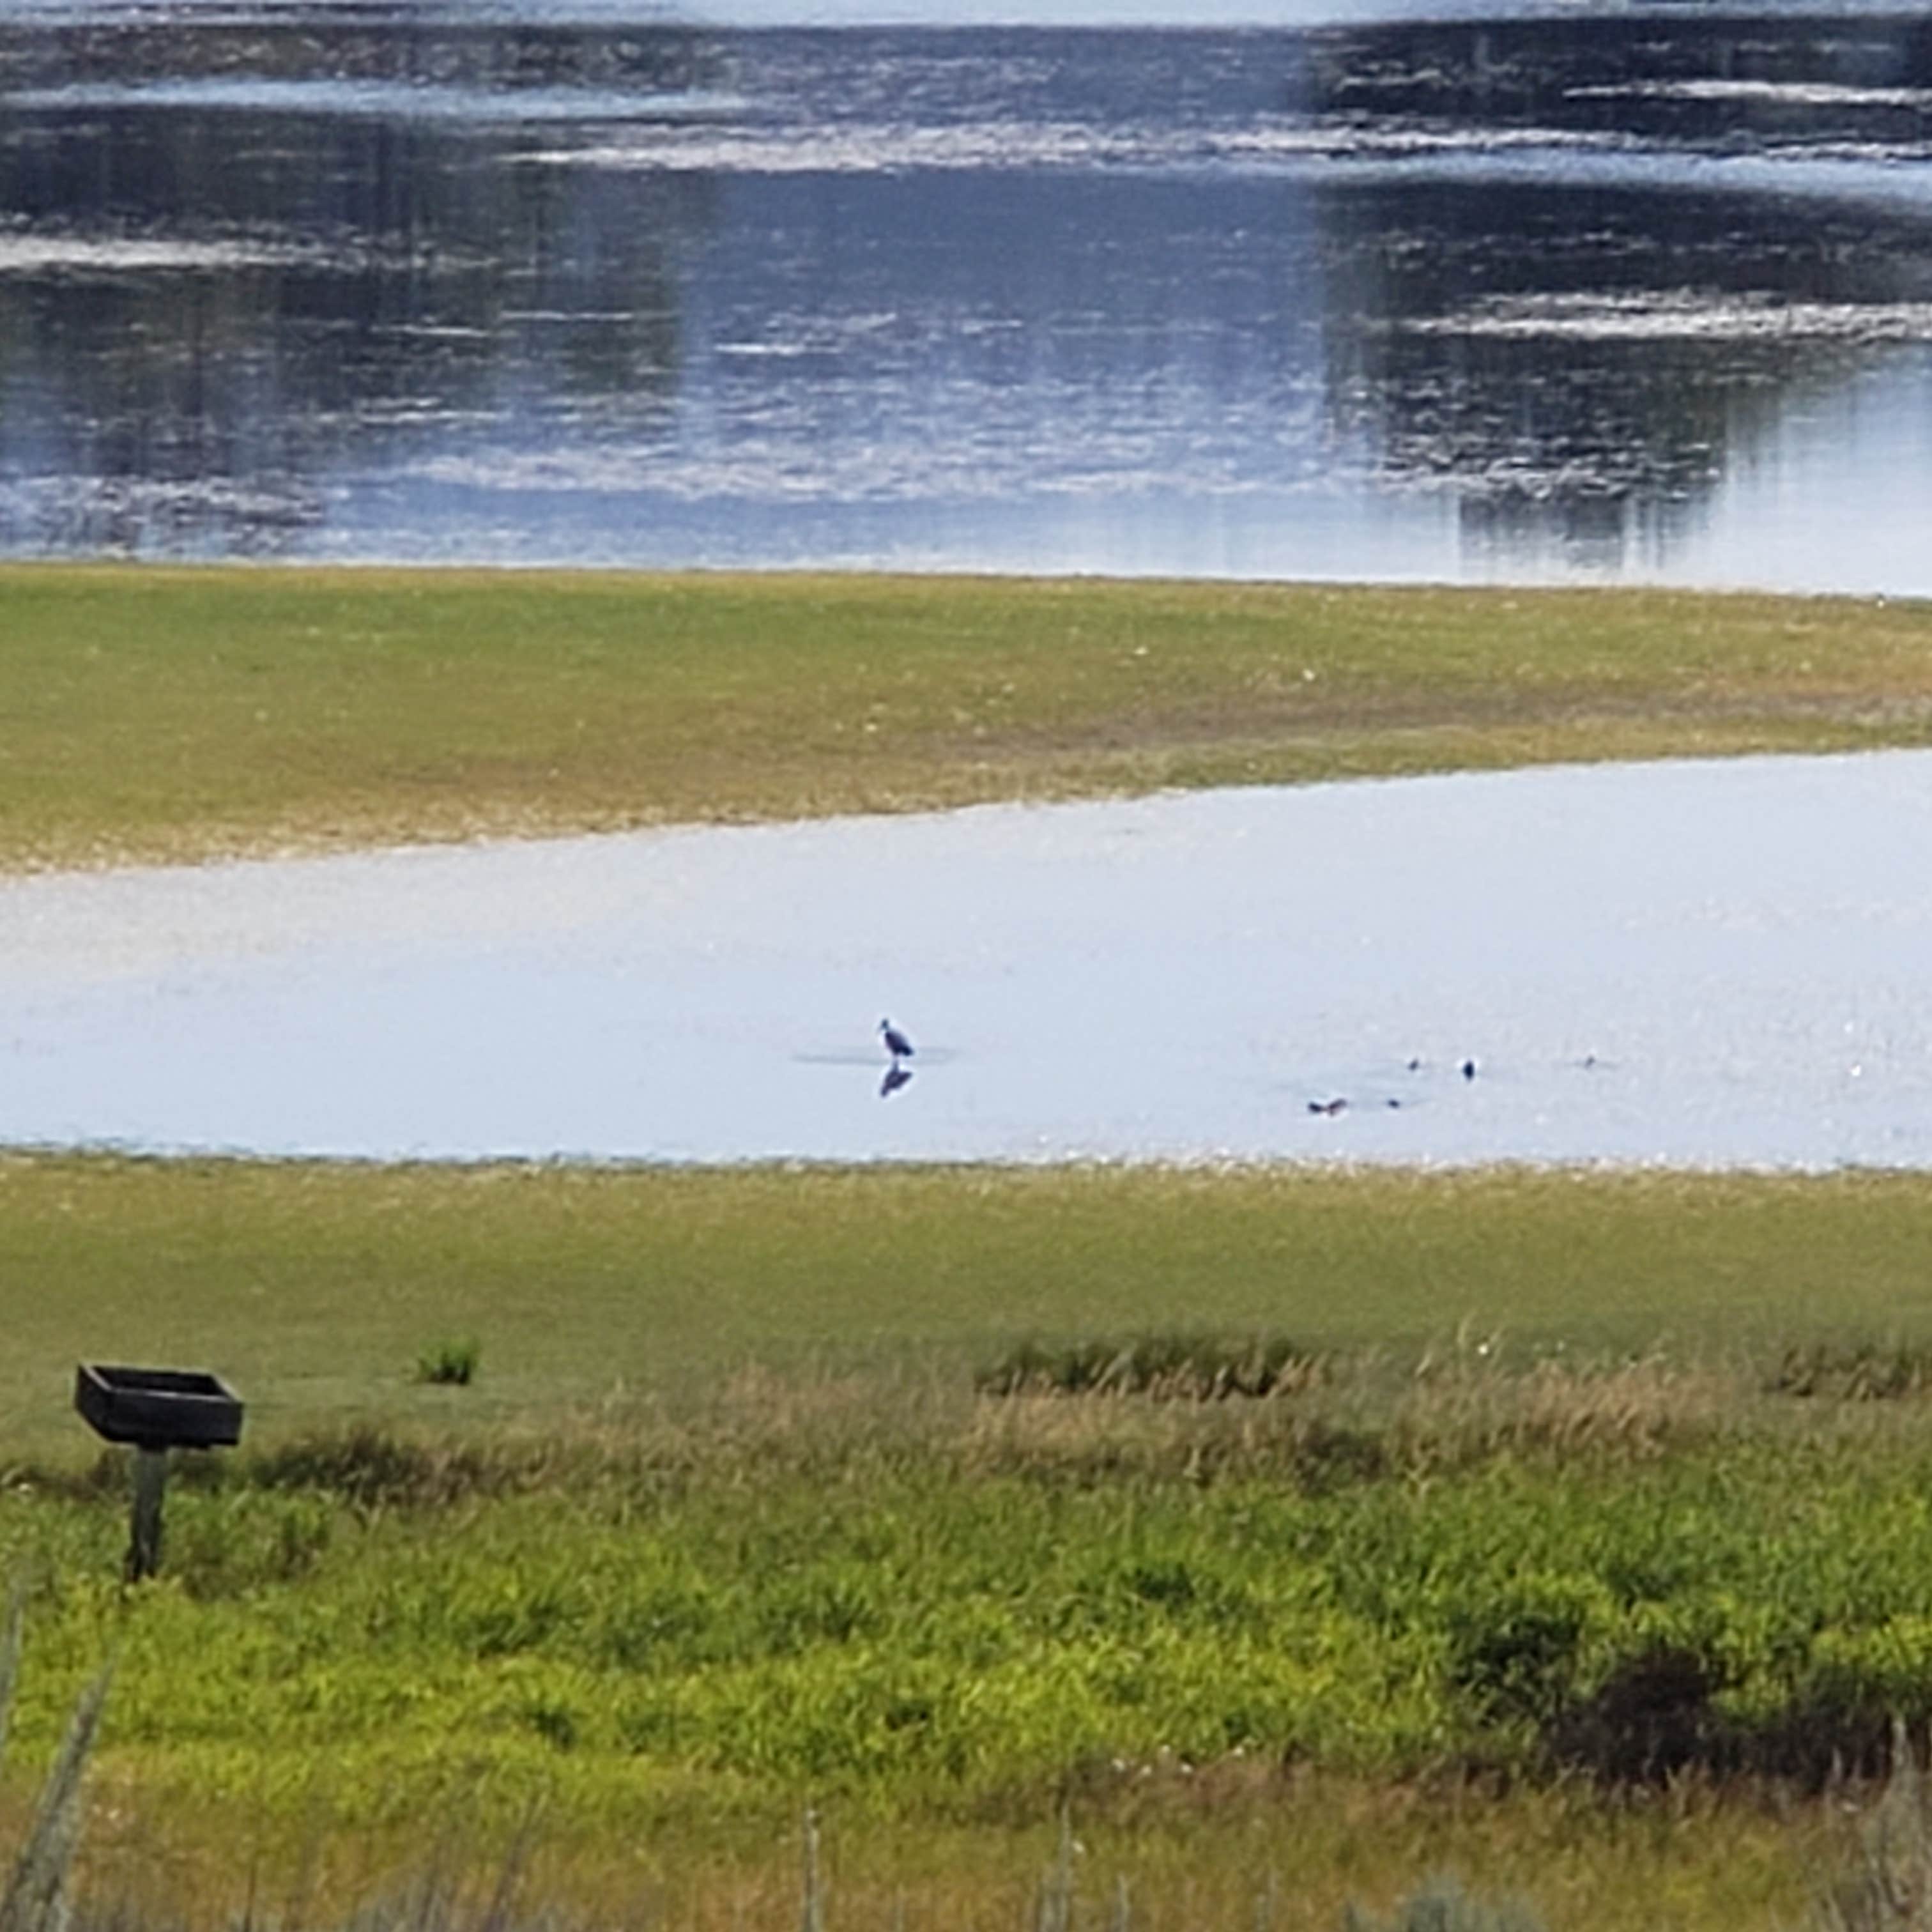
(374, 1468)
(1863, 1371)
(1177, 1367)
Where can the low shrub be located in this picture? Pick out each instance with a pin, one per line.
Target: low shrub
(449, 1364)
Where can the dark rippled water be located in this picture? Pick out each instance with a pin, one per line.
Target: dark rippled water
(1629, 295)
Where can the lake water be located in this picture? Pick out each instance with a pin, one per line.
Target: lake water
(1704, 964)
(1638, 294)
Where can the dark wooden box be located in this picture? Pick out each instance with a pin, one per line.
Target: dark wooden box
(159, 1409)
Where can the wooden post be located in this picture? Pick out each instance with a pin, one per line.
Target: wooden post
(152, 1410)
(144, 1534)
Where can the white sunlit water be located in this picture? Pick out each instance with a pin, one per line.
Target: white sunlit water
(1697, 963)
(381, 100)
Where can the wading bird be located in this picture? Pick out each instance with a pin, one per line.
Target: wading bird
(897, 1045)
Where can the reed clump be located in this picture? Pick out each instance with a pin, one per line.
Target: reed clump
(1318, 1419)
(1170, 1367)
(1859, 1372)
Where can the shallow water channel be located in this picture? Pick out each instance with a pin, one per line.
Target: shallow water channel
(1707, 963)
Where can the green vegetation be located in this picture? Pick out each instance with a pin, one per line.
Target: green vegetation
(1205, 1547)
(944, 1617)
(37, 1895)
(1444, 1907)
(313, 1286)
(911, 1606)
(176, 713)
(449, 1364)
(899, 1493)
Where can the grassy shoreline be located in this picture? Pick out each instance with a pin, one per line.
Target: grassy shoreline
(318, 1285)
(174, 713)
(724, 1525)
(732, 1520)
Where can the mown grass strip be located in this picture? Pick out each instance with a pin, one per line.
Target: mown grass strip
(169, 713)
(318, 1287)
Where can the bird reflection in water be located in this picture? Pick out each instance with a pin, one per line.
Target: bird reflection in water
(901, 1048)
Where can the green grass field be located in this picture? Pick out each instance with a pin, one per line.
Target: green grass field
(316, 1287)
(735, 1517)
(1588, 1522)
(168, 713)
